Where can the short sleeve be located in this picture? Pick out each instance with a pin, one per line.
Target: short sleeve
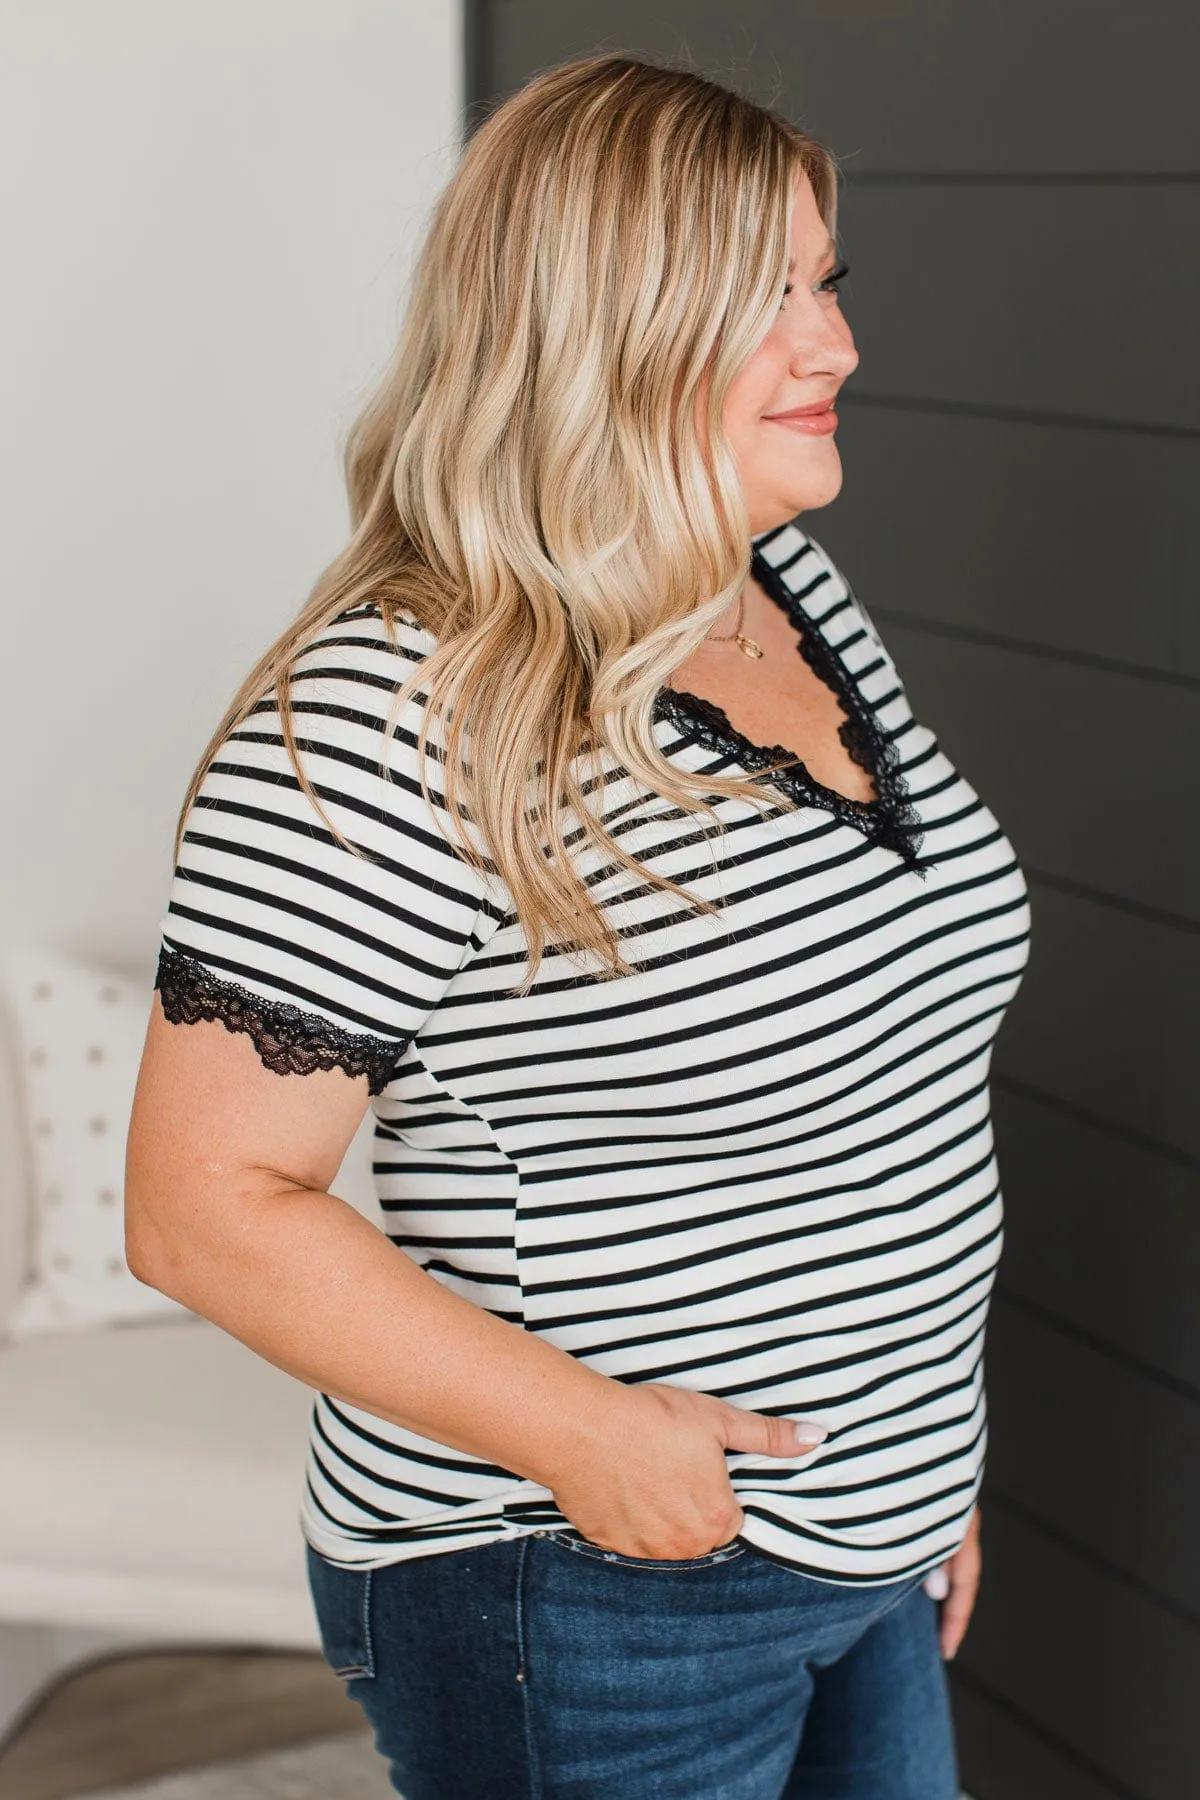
(325, 958)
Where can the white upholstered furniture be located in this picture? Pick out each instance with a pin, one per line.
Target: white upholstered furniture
(150, 1472)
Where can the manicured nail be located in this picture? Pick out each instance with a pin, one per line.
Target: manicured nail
(809, 1432)
(937, 1584)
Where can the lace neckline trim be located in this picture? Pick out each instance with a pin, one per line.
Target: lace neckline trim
(890, 819)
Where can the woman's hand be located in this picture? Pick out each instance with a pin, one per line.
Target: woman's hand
(955, 1583)
(652, 1481)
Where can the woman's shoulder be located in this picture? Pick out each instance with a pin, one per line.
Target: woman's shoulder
(386, 642)
(808, 566)
(351, 669)
(801, 559)
(320, 901)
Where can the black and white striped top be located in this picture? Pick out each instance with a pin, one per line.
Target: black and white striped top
(760, 1165)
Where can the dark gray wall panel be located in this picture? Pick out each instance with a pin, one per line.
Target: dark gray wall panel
(1002, 1759)
(1102, 1668)
(1103, 1233)
(1106, 1018)
(1094, 774)
(1020, 210)
(925, 85)
(1079, 301)
(1077, 539)
(1094, 1449)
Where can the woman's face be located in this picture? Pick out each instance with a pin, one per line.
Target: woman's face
(789, 465)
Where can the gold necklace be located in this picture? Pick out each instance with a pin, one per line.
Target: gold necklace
(746, 645)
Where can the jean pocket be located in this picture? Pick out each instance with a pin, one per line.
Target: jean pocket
(342, 1603)
(572, 1540)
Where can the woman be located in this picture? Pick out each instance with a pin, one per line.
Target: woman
(581, 825)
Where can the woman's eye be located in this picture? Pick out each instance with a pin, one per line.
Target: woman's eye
(830, 283)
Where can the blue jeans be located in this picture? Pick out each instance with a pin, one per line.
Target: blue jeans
(544, 1668)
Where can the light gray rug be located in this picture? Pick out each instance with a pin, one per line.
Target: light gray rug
(338, 1768)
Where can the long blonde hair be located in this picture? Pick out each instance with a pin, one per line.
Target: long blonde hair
(531, 483)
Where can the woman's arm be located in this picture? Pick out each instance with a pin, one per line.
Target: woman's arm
(227, 1210)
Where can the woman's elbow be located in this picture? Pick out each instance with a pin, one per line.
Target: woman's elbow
(156, 1212)
(150, 1251)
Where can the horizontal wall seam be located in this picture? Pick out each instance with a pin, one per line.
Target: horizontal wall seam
(1021, 177)
(1079, 890)
(997, 640)
(1060, 1745)
(1101, 1346)
(1017, 415)
(1071, 1546)
(1141, 1140)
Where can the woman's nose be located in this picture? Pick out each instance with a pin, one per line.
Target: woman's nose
(830, 351)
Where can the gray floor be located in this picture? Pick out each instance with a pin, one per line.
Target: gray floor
(340, 1768)
(130, 1719)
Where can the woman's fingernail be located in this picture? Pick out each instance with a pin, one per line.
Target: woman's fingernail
(937, 1584)
(809, 1432)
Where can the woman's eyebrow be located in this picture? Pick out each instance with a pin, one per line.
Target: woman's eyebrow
(829, 250)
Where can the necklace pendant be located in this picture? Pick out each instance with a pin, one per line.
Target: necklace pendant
(747, 646)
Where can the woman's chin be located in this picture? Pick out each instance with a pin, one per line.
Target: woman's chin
(817, 483)
(798, 491)
(815, 494)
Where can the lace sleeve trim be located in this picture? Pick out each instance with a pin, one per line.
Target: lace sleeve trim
(288, 1040)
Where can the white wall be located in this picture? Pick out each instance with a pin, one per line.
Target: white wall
(208, 210)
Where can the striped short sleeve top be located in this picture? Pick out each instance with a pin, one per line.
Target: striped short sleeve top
(759, 1165)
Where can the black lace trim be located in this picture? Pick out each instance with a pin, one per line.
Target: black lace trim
(289, 1041)
(890, 819)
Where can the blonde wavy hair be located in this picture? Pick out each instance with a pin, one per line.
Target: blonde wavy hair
(542, 479)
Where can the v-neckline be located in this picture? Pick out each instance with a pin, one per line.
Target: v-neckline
(889, 818)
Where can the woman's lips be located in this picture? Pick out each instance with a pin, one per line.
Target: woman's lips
(817, 424)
